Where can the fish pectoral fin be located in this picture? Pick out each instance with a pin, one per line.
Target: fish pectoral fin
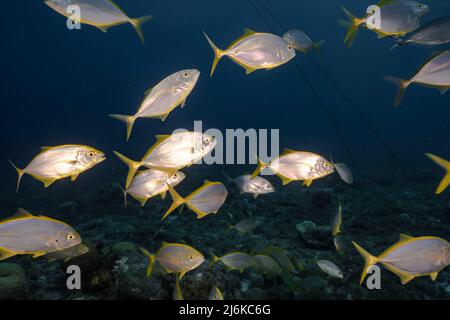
(163, 195)
(39, 254)
(5, 254)
(434, 276)
(74, 177)
(181, 275)
(183, 103)
(307, 183)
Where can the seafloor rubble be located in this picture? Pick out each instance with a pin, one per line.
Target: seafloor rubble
(377, 208)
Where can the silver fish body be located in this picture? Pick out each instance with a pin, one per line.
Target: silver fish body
(434, 33)
(254, 186)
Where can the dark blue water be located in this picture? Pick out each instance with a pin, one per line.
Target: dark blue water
(58, 86)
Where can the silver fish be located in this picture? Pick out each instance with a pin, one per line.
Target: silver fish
(391, 20)
(330, 268)
(150, 183)
(266, 265)
(54, 163)
(434, 33)
(298, 165)
(67, 254)
(172, 152)
(255, 51)
(162, 99)
(34, 235)
(301, 41)
(102, 14)
(435, 74)
(235, 260)
(411, 257)
(207, 199)
(255, 186)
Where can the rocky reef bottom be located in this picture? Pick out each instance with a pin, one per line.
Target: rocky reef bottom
(376, 209)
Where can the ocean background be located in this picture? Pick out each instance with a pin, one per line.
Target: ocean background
(58, 86)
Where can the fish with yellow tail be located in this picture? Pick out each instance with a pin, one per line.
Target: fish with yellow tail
(336, 223)
(162, 99)
(27, 234)
(411, 257)
(55, 163)
(208, 199)
(389, 19)
(434, 74)
(302, 166)
(174, 258)
(445, 182)
(254, 51)
(102, 14)
(150, 183)
(172, 152)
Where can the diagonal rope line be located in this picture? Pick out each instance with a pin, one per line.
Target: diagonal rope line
(319, 100)
(349, 102)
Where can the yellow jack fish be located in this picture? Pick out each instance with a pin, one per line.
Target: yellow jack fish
(25, 233)
(175, 258)
(255, 50)
(102, 14)
(55, 163)
(161, 100)
(300, 166)
(411, 257)
(207, 199)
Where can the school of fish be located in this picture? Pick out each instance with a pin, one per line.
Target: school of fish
(411, 257)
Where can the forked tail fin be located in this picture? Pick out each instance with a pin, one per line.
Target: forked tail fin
(133, 166)
(20, 174)
(137, 24)
(369, 259)
(129, 120)
(218, 54)
(402, 86)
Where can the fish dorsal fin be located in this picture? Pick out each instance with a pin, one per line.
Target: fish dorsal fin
(22, 213)
(247, 33)
(148, 91)
(205, 185)
(159, 140)
(384, 2)
(287, 151)
(45, 148)
(405, 237)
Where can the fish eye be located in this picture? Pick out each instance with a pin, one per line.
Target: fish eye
(289, 48)
(186, 74)
(419, 6)
(91, 154)
(70, 236)
(191, 258)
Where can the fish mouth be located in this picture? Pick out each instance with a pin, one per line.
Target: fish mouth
(101, 159)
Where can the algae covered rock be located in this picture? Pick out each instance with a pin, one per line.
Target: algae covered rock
(315, 236)
(12, 281)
